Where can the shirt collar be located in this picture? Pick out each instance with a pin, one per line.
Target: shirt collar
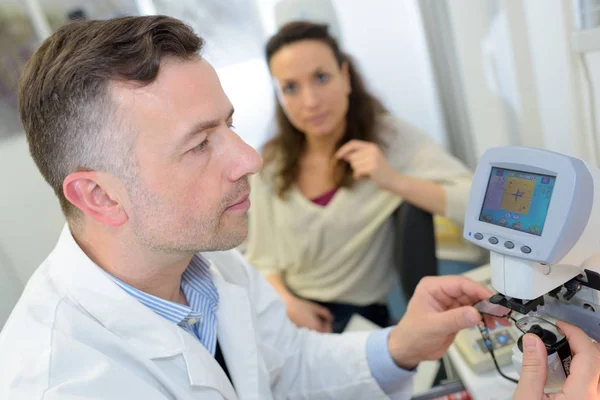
(196, 278)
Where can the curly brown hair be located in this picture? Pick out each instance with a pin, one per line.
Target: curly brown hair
(288, 145)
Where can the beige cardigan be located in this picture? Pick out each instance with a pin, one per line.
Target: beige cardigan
(343, 252)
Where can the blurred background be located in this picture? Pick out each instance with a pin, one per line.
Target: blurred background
(473, 74)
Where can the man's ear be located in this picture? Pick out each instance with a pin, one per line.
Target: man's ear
(95, 194)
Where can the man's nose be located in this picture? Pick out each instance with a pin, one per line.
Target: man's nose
(245, 160)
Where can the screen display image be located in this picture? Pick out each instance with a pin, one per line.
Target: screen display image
(517, 200)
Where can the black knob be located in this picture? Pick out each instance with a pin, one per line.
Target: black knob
(537, 330)
(547, 337)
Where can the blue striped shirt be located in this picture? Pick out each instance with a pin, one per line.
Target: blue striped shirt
(200, 317)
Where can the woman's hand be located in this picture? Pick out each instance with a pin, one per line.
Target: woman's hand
(307, 314)
(367, 161)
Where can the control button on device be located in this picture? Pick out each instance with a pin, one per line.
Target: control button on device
(493, 240)
(478, 236)
(509, 245)
(526, 249)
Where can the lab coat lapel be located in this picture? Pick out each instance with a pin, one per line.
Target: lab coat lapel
(203, 369)
(236, 334)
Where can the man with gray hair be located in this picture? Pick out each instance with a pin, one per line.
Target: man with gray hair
(142, 297)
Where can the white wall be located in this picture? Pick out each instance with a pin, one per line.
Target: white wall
(487, 113)
(386, 38)
(30, 217)
(30, 220)
(521, 81)
(593, 61)
(248, 86)
(494, 56)
(559, 89)
(10, 288)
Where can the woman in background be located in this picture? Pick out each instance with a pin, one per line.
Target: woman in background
(320, 228)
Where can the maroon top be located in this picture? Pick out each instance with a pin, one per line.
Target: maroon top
(325, 198)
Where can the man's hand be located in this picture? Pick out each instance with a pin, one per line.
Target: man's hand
(439, 308)
(581, 384)
(367, 161)
(309, 315)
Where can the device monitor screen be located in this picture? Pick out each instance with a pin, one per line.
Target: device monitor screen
(517, 200)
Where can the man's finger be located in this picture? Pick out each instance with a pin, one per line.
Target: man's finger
(451, 321)
(490, 321)
(585, 358)
(535, 369)
(578, 340)
(455, 287)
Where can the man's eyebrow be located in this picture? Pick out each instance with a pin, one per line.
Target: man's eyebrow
(202, 126)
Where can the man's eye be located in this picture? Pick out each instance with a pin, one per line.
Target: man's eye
(201, 146)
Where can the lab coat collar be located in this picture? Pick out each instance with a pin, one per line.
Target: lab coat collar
(89, 286)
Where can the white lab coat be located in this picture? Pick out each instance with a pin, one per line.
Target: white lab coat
(76, 335)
